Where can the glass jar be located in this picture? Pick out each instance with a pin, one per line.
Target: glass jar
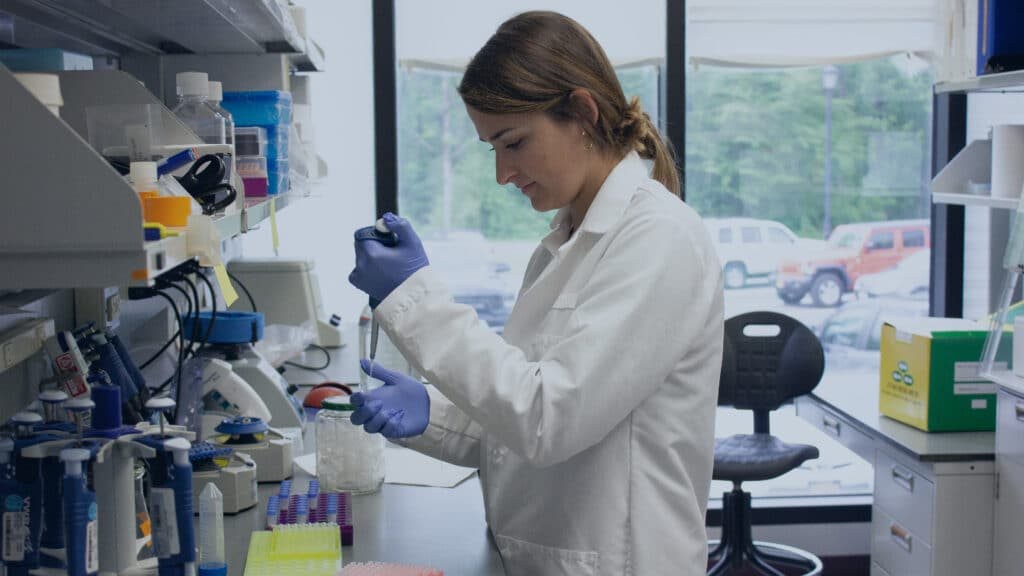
(347, 457)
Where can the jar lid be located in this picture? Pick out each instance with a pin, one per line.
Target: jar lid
(340, 403)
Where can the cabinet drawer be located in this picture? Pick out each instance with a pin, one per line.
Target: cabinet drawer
(837, 428)
(904, 495)
(1010, 426)
(896, 549)
(877, 570)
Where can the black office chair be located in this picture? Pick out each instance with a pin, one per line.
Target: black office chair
(768, 359)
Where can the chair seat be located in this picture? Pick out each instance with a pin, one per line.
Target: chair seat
(745, 457)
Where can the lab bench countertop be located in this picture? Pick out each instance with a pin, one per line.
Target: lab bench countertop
(442, 528)
(855, 397)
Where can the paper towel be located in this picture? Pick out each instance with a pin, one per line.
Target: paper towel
(1007, 160)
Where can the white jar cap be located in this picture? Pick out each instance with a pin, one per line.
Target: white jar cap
(215, 91)
(45, 87)
(192, 83)
(141, 173)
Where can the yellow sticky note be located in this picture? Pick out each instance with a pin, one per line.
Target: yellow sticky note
(273, 224)
(226, 289)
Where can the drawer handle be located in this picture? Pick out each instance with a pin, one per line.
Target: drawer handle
(1019, 409)
(831, 425)
(901, 536)
(903, 477)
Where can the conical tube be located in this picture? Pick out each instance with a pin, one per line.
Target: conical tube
(211, 531)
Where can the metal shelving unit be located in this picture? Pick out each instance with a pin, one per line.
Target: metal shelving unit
(70, 219)
(113, 27)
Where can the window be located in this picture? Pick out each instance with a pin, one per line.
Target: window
(751, 235)
(913, 238)
(724, 235)
(776, 236)
(480, 235)
(789, 120)
(846, 327)
(882, 240)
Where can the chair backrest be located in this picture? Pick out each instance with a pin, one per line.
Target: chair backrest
(767, 365)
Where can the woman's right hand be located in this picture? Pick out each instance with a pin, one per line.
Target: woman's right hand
(379, 268)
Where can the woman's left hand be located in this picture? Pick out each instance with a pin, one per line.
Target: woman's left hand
(379, 268)
(398, 409)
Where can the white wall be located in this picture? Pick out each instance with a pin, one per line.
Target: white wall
(320, 227)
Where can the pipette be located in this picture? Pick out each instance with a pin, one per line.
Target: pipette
(380, 233)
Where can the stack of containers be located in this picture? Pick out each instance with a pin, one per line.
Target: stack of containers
(271, 111)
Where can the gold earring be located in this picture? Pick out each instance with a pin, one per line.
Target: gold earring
(589, 145)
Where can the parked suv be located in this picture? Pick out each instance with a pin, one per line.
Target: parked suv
(852, 251)
(750, 248)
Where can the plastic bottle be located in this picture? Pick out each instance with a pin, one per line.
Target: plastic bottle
(143, 178)
(347, 458)
(166, 210)
(195, 111)
(215, 94)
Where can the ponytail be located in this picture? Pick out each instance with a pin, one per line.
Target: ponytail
(637, 132)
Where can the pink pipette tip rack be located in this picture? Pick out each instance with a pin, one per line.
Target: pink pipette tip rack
(385, 569)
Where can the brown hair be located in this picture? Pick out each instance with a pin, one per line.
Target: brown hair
(535, 61)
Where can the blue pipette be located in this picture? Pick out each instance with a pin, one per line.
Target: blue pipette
(379, 233)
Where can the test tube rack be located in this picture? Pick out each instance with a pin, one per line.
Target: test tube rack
(313, 507)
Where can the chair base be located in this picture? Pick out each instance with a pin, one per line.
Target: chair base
(737, 549)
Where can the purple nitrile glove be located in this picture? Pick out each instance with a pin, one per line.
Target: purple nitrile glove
(398, 409)
(379, 268)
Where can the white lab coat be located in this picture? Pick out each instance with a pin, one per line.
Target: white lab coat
(592, 421)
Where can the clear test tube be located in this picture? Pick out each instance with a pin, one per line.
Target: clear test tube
(211, 532)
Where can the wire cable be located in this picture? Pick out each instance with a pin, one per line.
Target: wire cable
(327, 362)
(195, 343)
(213, 304)
(160, 351)
(181, 336)
(244, 289)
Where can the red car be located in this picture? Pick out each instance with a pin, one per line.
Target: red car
(852, 251)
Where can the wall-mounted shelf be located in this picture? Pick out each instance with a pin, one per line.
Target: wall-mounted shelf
(114, 27)
(312, 59)
(1002, 82)
(23, 341)
(69, 219)
(256, 211)
(975, 200)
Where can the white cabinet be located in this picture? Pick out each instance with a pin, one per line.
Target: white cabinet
(931, 518)
(1009, 508)
(933, 493)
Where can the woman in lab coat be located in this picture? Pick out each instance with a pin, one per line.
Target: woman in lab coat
(592, 419)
